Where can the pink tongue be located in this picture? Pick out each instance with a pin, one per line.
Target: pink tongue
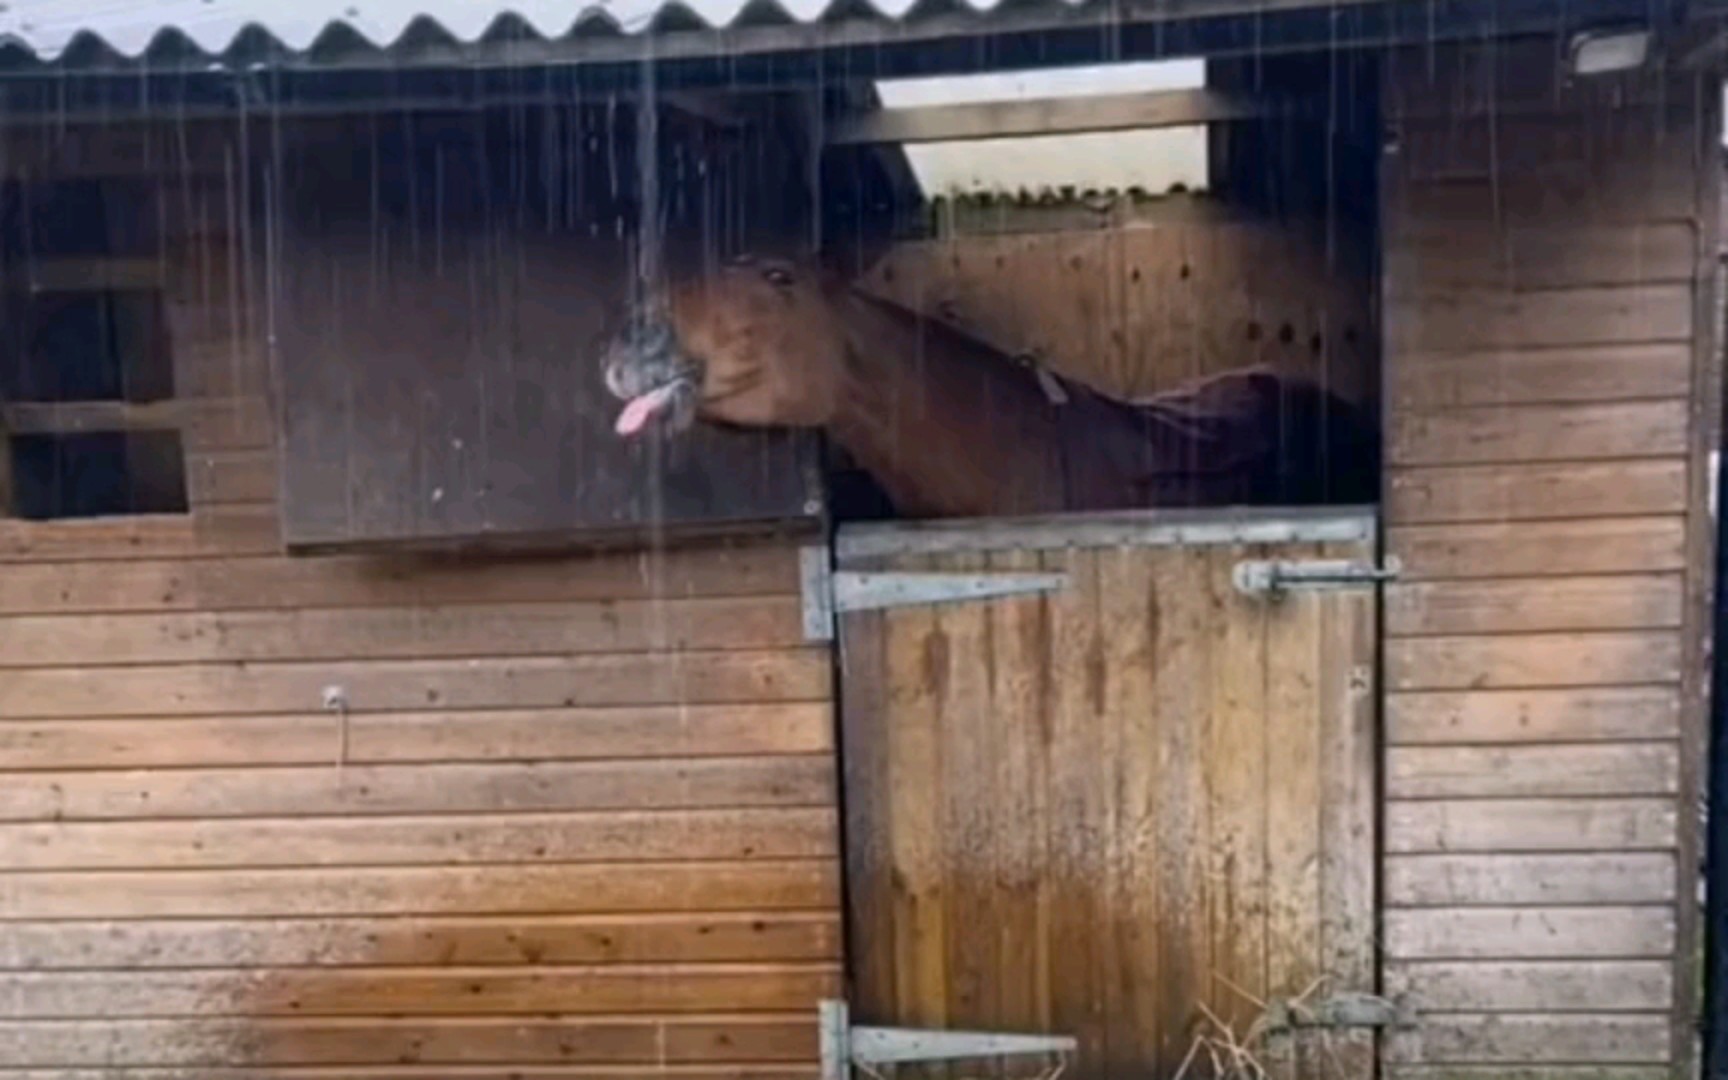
(641, 409)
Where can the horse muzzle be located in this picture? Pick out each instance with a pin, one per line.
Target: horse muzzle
(644, 367)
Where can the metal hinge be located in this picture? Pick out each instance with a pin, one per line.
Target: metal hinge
(845, 1047)
(1277, 576)
(829, 592)
(1338, 1011)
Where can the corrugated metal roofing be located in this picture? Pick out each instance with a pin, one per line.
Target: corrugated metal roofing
(49, 30)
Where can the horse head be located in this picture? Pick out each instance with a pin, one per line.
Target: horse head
(754, 342)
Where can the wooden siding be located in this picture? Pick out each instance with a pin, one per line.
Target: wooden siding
(577, 820)
(1543, 293)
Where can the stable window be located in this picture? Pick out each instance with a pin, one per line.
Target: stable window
(86, 372)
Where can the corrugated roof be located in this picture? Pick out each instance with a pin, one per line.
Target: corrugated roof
(50, 30)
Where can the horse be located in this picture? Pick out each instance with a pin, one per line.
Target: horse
(949, 426)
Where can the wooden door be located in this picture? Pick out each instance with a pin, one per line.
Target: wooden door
(1138, 809)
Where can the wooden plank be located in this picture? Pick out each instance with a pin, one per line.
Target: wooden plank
(358, 790)
(1522, 433)
(1463, 322)
(1550, 879)
(1621, 602)
(1044, 116)
(55, 586)
(1539, 376)
(1539, 549)
(1551, 986)
(645, 1042)
(1599, 1038)
(1526, 933)
(721, 1071)
(1530, 771)
(375, 686)
(214, 531)
(321, 738)
(1528, 660)
(1234, 766)
(1295, 725)
(616, 836)
(1421, 263)
(414, 992)
(203, 423)
(1533, 716)
(1399, 1071)
(1505, 825)
(1527, 149)
(339, 633)
(1616, 491)
(1570, 196)
(401, 891)
(465, 941)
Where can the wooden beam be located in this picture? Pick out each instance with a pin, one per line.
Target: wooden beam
(61, 418)
(98, 274)
(1046, 116)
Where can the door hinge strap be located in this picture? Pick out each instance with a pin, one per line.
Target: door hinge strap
(829, 592)
(844, 1046)
(1272, 576)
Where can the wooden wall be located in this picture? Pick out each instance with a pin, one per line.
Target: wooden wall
(1138, 306)
(577, 818)
(1549, 306)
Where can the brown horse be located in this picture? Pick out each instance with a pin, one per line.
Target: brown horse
(949, 426)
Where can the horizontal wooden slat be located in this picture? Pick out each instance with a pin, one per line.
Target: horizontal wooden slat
(1499, 880)
(1532, 716)
(1538, 549)
(320, 737)
(55, 587)
(417, 789)
(1466, 322)
(1533, 986)
(1523, 433)
(401, 891)
(722, 1071)
(1538, 376)
(87, 274)
(1615, 491)
(1570, 196)
(1506, 825)
(1048, 116)
(1436, 772)
(619, 679)
(478, 630)
(511, 940)
(646, 1042)
(1422, 263)
(413, 992)
(1529, 933)
(619, 836)
(203, 423)
(1605, 1037)
(1528, 660)
(1621, 602)
(1524, 149)
(247, 529)
(1398, 1071)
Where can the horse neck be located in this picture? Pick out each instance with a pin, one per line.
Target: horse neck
(927, 412)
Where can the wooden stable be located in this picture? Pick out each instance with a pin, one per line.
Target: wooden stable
(485, 780)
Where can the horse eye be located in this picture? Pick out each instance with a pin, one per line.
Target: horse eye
(777, 276)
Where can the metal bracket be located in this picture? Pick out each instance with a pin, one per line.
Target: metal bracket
(1349, 1010)
(844, 1046)
(829, 593)
(1271, 576)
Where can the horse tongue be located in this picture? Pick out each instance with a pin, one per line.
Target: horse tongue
(639, 410)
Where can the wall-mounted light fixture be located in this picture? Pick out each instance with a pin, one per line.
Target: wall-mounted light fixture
(1608, 49)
